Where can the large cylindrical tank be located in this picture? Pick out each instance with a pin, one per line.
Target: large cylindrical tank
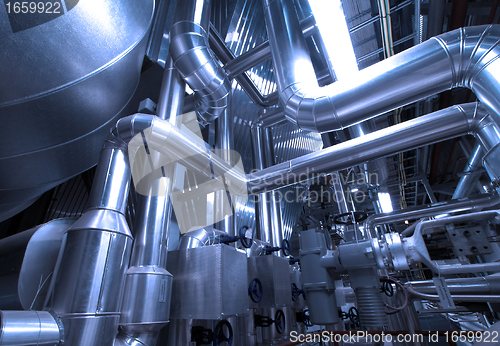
(65, 78)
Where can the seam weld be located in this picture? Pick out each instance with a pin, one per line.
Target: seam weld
(444, 45)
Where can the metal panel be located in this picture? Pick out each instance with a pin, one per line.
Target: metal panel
(274, 274)
(209, 282)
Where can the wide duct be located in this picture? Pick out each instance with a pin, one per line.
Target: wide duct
(466, 57)
(66, 78)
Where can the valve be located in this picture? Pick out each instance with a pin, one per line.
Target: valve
(352, 315)
(292, 260)
(285, 248)
(242, 237)
(296, 292)
(352, 218)
(387, 288)
(266, 321)
(255, 290)
(219, 335)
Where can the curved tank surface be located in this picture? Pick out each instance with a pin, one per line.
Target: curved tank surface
(65, 79)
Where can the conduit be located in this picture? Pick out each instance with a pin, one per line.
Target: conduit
(466, 57)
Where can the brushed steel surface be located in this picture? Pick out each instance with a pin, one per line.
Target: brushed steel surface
(66, 82)
(29, 328)
(210, 282)
(146, 302)
(274, 274)
(465, 57)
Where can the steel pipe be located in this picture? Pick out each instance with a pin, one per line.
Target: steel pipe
(225, 56)
(29, 328)
(448, 123)
(464, 57)
(454, 206)
(194, 61)
(474, 298)
(415, 249)
(471, 173)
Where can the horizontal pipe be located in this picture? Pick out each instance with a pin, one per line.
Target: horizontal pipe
(29, 328)
(473, 298)
(444, 124)
(477, 285)
(454, 206)
(416, 250)
(464, 57)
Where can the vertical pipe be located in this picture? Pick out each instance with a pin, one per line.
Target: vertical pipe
(268, 206)
(146, 304)
(224, 149)
(89, 277)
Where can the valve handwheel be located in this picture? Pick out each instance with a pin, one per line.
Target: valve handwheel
(285, 247)
(255, 290)
(279, 321)
(353, 315)
(220, 333)
(387, 288)
(246, 242)
(356, 217)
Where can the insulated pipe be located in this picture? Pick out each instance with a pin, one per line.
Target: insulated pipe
(29, 328)
(176, 145)
(444, 124)
(143, 314)
(225, 149)
(225, 56)
(478, 285)
(194, 61)
(454, 206)
(88, 282)
(471, 173)
(473, 298)
(464, 57)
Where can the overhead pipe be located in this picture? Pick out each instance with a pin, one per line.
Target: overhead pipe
(447, 123)
(464, 57)
(194, 61)
(225, 56)
(430, 128)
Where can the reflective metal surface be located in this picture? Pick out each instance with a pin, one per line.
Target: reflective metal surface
(66, 93)
(471, 173)
(464, 57)
(455, 206)
(222, 268)
(447, 123)
(29, 328)
(193, 60)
